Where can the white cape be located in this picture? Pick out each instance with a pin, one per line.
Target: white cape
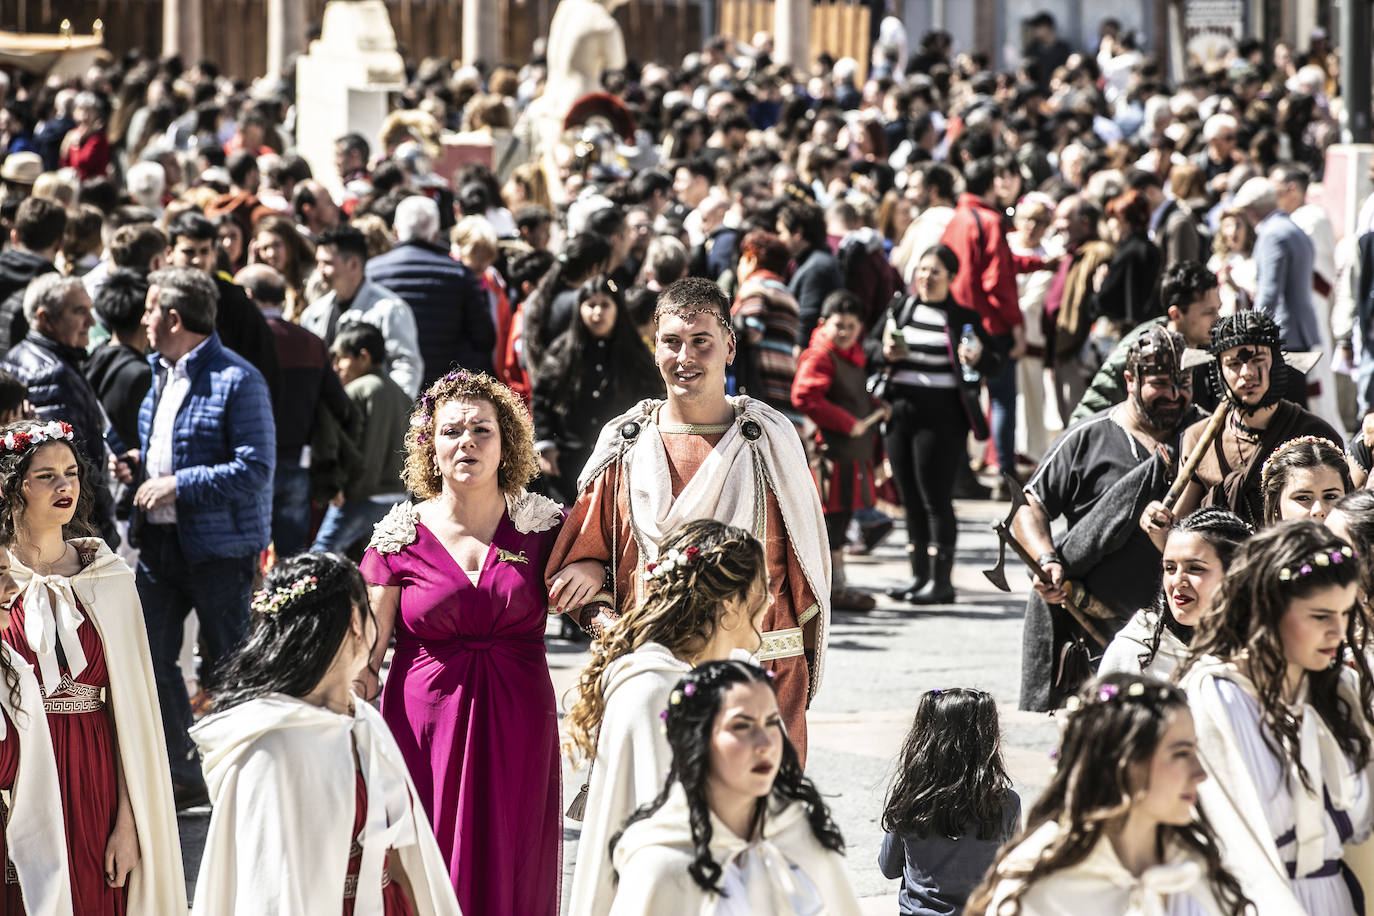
(106, 590)
(1133, 640)
(35, 833)
(1100, 884)
(632, 757)
(282, 779)
(653, 855)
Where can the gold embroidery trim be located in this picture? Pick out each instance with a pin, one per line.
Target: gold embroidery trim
(74, 697)
(782, 644)
(807, 614)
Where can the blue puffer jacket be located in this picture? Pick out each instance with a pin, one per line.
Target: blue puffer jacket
(452, 312)
(224, 450)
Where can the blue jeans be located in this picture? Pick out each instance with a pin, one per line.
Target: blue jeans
(170, 587)
(290, 508)
(345, 525)
(1002, 395)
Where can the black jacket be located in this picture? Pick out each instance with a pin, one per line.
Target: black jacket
(120, 376)
(58, 390)
(452, 312)
(817, 276)
(17, 268)
(242, 329)
(1130, 291)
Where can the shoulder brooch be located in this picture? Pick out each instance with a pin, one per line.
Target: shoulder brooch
(394, 531)
(530, 512)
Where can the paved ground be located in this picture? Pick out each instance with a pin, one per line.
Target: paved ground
(878, 664)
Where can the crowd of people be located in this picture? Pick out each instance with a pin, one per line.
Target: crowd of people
(278, 445)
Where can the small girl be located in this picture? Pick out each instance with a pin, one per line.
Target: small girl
(1303, 478)
(709, 605)
(1279, 684)
(1118, 830)
(951, 806)
(1196, 555)
(830, 388)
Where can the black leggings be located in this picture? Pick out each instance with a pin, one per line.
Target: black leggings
(926, 439)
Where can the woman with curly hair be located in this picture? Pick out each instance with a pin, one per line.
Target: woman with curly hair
(705, 606)
(1118, 829)
(737, 829)
(277, 243)
(458, 580)
(1197, 552)
(78, 621)
(1279, 684)
(314, 812)
(951, 804)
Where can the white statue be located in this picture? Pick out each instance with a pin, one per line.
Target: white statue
(585, 41)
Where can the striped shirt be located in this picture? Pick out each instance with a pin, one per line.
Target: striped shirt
(927, 363)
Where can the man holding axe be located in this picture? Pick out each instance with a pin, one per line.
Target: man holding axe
(1098, 476)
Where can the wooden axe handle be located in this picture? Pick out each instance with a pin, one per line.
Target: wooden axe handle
(1185, 473)
(1039, 572)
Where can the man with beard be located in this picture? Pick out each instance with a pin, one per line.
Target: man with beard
(1249, 371)
(1099, 476)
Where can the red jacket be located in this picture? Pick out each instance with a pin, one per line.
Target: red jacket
(815, 373)
(986, 281)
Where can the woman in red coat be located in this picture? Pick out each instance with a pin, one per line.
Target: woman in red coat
(86, 148)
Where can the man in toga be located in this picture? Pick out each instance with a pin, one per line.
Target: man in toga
(697, 455)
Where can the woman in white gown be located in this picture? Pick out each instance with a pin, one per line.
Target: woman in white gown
(1280, 687)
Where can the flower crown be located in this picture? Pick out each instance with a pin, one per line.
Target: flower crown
(51, 431)
(679, 559)
(1316, 440)
(426, 415)
(1321, 558)
(1109, 692)
(269, 601)
(676, 697)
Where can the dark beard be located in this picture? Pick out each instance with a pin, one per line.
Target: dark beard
(1162, 416)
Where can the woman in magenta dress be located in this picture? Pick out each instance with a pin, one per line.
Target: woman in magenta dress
(79, 624)
(458, 580)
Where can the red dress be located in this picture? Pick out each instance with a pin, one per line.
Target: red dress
(84, 748)
(394, 899)
(11, 901)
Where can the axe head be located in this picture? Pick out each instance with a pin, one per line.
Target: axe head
(998, 575)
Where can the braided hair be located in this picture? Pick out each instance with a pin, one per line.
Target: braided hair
(1116, 722)
(679, 610)
(1223, 531)
(296, 629)
(691, 720)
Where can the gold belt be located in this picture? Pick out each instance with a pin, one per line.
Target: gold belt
(74, 697)
(782, 644)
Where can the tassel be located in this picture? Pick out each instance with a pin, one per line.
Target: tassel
(578, 809)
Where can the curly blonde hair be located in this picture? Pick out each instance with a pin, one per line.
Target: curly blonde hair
(679, 610)
(518, 462)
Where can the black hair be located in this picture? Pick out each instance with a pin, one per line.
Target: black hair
(586, 253)
(346, 240)
(191, 225)
(528, 267)
(241, 165)
(607, 221)
(354, 143)
(120, 301)
(13, 392)
(99, 192)
(1223, 531)
(805, 219)
(941, 179)
(843, 302)
(979, 174)
(1184, 283)
(357, 337)
(294, 637)
(945, 255)
(39, 223)
(950, 780)
(1301, 453)
(1358, 508)
(1140, 179)
(690, 722)
(532, 217)
(631, 364)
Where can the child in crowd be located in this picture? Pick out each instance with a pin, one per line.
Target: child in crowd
(709, 605)
(359, 353)
(1304, 478)
(1196, 555)
(951, 805)
(1117, 830)
(1280, 687)
(830, 388)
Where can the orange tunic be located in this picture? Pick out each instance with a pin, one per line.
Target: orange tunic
(599, 525)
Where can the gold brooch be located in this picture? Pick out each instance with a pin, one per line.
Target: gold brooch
(505, 556)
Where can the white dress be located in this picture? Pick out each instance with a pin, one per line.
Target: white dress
(1266, 820)
(1133, 640)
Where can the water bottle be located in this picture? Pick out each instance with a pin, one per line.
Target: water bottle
(968, 339)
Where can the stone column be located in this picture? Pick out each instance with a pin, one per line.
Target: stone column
(285, 33)
(182, 30)
(481, 31)
(792, 34)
